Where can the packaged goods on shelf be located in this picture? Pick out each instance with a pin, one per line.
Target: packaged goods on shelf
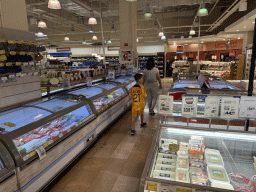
(241, 180)
(217, 173)
(164, 174)
(164, 167)
(166, 161)
(168, 156)
(222, 185)
(182, 175)
(183, 152)
(214, 159)
(182, 162)
(195, 164)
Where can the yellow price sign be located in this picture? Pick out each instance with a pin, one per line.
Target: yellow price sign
(11, 41)
(29, 42)
(182, 189)
(2, 52)
(18, 63)
(22, 53)
(2, 40)
(1, 65)
(20, 41)
(36, 44)
(30, 53)
(46, 145)
(13, 53)
(174, 147)
(152, 186)
(9, 64)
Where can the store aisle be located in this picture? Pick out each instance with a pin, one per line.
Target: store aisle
(115, 163)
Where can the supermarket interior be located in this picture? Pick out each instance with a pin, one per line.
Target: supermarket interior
(68, 95)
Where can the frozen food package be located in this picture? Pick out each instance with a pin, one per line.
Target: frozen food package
(222, 185)
(168, 156)
(196, 164)
(197, 172)
(212, 151)
(217, 173)
(182, 162)
(197, 139)
(168, 141)
(164, 174)
(183, 152)
(164, 167)
(166, 161)
(240, 180)
(166, 152)
(214, 159)
(196, 157)
(182, 175)
(195, 147)
(199, 180)
(182, 144)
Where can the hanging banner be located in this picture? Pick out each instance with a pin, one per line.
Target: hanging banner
(189, 106)
(247, 107)
(211, 108)
(111, 74)
(229, 108)
(165, 105)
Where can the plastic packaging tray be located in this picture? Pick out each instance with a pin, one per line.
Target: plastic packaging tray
(164, 174)
(222, 185)
(182, 175)
(182, 162)
(214, 159)
(166, 161)
(167, 156)
(163, 167)
(217, 173)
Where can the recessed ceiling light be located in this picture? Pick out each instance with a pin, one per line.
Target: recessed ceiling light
(253, 22)
(224, 39)
(239, 38)
(237, 30)
(244, 26)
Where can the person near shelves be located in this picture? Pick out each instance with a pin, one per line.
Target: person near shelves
(138, 94)
(151, 76)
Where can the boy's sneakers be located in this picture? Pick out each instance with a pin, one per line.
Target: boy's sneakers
(133, 132)
(143, 125)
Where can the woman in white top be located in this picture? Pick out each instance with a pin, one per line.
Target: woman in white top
(151, 76)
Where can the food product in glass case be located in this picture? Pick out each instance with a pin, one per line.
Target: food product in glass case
(166, 161)
(105, 100)
(168, 156)
(182, 175)
(163, 167)
(196, 164)
(217, 173)
(182, 162)
(164, 174)
(20, 117)
(106, 86)
(222, 185)
(47, 133)
(214, 159)
(240, 180)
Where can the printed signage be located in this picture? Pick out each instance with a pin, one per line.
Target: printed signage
(229, 108)
(247, 107)
(189, 106)
(41, 152)
(66, 83)
(211, 108)
(179, 48)
(130, 71)
(126, 44)
(232, 53)
(113, 48)
(165, 105)
(67, 49)
(89, 81)
(111, 74)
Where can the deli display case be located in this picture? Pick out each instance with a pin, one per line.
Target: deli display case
(198, 159)
(128, 81)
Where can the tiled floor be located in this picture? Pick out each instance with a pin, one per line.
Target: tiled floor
(115, 163)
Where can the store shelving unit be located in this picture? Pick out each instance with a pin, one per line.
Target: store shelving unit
(237, 68)
(248, 64)
(161, 63)
(143, 60)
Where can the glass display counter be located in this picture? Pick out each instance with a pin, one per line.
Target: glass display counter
(202, 159)
(106, 85)
(88, 92)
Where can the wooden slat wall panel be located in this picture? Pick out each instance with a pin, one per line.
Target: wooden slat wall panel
(9, 185)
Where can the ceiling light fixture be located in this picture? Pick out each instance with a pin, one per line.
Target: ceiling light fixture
(92, 20)
(244, 27)
(109, 41)
(161, 34)
(40, 34)
(202, 11)
(94, 37)
(237, 30)
(42, 24)
(239, 38)
(66, 38)
(137, 40)
(163, 38)
(112, 28)
(148, 14)
(54, 4)
(192, 31)
(243, 6)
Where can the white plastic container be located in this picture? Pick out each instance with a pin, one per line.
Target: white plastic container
(183, 152)
(167, 156)
(214, 159)
(217, 173)
(182, 162)
(218, 184)
(166, 161)
(211, 151)
(163, 167)
(164, 174)
(182, 175)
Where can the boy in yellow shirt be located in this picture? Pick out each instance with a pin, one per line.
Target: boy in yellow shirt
(138, 95)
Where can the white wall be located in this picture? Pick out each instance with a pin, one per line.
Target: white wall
(90, 50)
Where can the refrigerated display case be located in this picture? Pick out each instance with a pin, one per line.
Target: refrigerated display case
(128, 81)
(202, 159)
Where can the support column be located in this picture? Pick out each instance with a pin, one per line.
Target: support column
(128, 26)
(14, 14)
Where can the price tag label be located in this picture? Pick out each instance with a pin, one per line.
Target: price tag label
(4, 78)
(182, 189)
(173, 147)
(20, 41)
(36, 73)
(2, 52)
(18, 63)
(31, 63)
(9, 64)
(41, 152)
(22, 53)
(18, 74)
(11, 76)
(25, 64)
(152, 186)
(37, 63)
(30, 74)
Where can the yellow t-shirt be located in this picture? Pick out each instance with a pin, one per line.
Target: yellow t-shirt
(138, 94)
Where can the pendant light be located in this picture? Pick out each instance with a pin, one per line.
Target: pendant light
(109, 41)
(202, 11)
(161, 34)
(137, 40)
(148, 14)
(40, 34)
(92, 20)
(94, 37)
(163, 37)
(192, 31)
(112, 28)
(54, 4)
(66, 38)
(42, 24)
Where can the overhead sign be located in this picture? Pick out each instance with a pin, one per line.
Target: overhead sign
(66, 49)
(165, 105)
